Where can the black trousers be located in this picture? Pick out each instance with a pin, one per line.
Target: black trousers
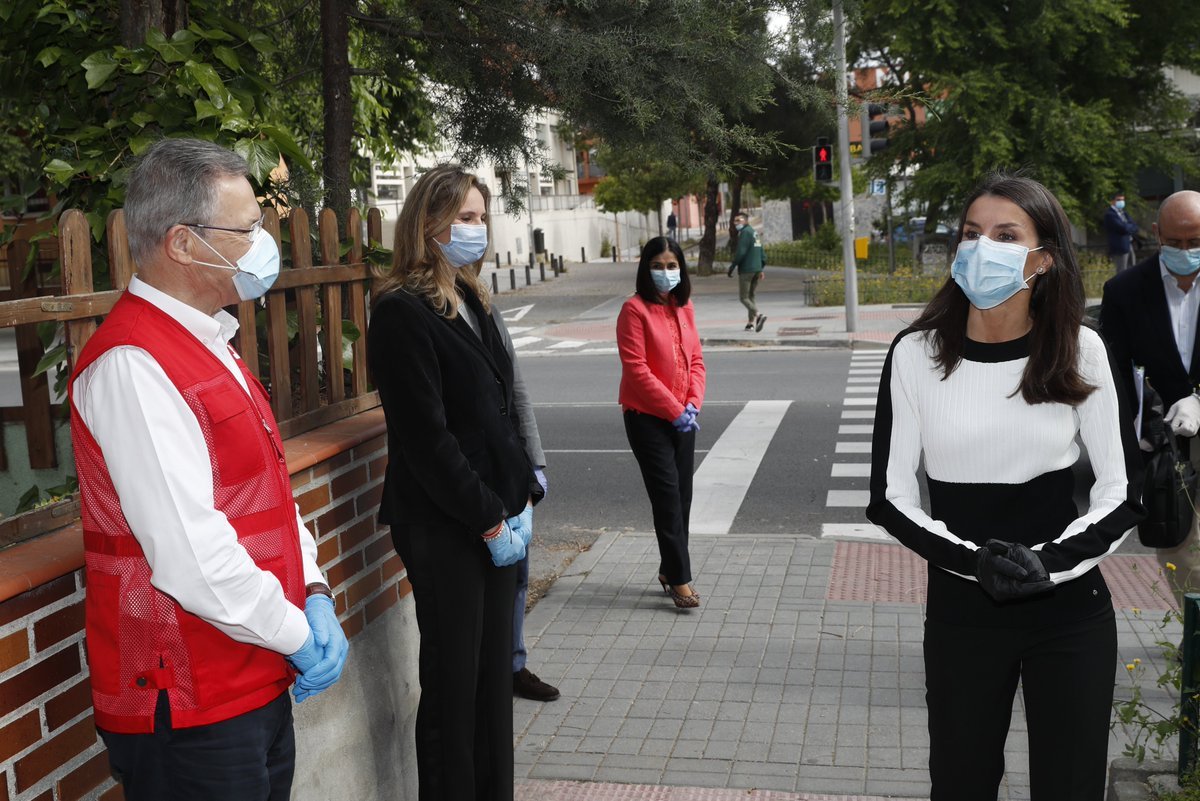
(1067, 672)
(464, 608)
(249, 757)
(667, 460)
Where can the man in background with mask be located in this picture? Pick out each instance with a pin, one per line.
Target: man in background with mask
(204, 599)
(1120, 230)
(750, 264)
(1150, 319)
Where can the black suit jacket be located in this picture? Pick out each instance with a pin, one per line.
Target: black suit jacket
(455, 454)
(1135, 321)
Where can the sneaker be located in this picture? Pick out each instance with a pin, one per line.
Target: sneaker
(758, 324)
(528, 685)
(749, 326)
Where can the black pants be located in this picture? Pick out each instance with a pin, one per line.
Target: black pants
(464, 607)
(1067, 672)
(249, 757)
(667, 459)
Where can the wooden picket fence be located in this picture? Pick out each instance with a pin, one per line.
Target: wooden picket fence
(320, 296)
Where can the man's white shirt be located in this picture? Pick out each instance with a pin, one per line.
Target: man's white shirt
(159, 464)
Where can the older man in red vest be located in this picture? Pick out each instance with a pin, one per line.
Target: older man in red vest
(204, 599)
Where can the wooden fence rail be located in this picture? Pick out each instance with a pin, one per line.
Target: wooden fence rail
(305, 375)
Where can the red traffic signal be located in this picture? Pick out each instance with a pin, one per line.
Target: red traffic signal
(822, 160)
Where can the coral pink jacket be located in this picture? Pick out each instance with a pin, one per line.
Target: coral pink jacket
(648, 355)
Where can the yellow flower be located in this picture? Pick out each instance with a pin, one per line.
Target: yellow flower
(1170, 565)
(1137, 661)
(1136, 610)
(1130, 667)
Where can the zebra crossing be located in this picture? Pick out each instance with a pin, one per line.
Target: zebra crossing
(851, 469)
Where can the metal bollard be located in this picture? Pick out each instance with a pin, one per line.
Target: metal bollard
(495, 285)
(528, 272)
(512, 277)
(509, 256)
(554, 268)
(532, 258)
(497, 261)
(1189, 685)
(542, 270)
(583, 255)
(561, 268)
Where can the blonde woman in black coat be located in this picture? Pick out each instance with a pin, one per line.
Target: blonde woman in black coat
(459, 488)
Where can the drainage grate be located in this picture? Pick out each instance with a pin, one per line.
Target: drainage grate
(797, 332)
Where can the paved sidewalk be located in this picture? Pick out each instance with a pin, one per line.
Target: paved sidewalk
(776, 684)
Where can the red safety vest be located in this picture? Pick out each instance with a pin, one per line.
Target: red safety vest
(139, 640)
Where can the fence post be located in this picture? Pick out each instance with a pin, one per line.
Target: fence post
(35, 391)
(331, 304)
(358, 299)
(277, 333)
(75, 255)
(1189, 684)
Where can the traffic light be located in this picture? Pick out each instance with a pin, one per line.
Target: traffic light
(874, 128)
(822, 161)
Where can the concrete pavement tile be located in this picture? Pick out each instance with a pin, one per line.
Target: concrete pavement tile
(698, 765)
(593, 744)
(914, 788)
(762, 712)
(720, 749)
(628, 775)
(564, 744)
(732, 710)
(683, 778)
(753, 752)
(693, 749)
(657, 747)
(575, 772)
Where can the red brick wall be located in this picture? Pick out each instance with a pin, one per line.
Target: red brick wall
(49, 750)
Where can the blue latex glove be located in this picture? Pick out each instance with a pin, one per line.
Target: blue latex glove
(507, 549)
(684, 421)
(307, 657)
(540, 475)
(522, 525)
(329, 637)
(695, 413)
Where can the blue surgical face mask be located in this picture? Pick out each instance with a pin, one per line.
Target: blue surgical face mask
(989, 272)
(1180, 261)
(665, 280)
(254, 272)
(739, 226)
(467, 244)
(1120, 204)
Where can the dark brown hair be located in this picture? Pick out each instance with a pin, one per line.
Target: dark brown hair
(1056, 305)
(645, 284)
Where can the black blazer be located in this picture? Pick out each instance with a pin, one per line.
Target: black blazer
(1135, 321)
(455, 454)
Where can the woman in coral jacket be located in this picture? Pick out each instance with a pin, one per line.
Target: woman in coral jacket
(662, 390)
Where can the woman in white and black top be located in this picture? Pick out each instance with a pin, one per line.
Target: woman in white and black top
(990, 386)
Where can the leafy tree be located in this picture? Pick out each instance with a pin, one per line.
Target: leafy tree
(1073, 89)
(635, 183)
(82, 104)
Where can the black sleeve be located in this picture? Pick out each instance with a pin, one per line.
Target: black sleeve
(1114, 327)
(404, 367)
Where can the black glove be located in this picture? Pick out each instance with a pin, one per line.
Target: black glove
(1008, 571)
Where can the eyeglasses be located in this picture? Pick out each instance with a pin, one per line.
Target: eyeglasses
(250, 232)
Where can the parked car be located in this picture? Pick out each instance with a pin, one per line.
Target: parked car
(902, 232)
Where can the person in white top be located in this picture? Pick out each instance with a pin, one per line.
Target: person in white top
(204, 594)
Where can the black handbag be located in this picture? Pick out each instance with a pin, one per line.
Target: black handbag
(1169, 487)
